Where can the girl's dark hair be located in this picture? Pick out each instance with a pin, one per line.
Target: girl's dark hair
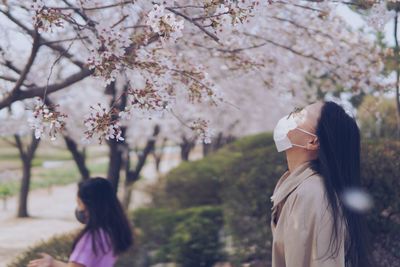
(105, 214)
(339, 164)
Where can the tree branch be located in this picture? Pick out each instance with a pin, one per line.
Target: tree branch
(8, 78)
(20, 146)
(32, 146)
(35, 48)
(213, 36)
(44, 41)
(38, 91)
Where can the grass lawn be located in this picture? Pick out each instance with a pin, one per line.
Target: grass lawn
(43, 178)
(64, 173)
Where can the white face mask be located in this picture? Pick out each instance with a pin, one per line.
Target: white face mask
(282, 128)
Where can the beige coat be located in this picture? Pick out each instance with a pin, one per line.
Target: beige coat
(301, 222)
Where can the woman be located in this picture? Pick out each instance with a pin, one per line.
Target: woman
(311, 225)
(106, 234)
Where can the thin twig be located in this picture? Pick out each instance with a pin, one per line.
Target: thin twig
(65, 40)
(28, 65)
(213, 36)
(93, 8)
(51, 69)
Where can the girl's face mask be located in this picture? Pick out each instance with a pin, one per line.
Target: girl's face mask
(284, 126)
(80, 215)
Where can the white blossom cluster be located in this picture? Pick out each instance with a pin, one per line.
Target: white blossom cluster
(107, 56)
(379, 15)
(101, 123)
(165, 23)
(178, 49)
(201, 127)
(46, 19)
(46, 120)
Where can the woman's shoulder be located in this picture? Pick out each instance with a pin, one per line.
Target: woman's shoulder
(312, 188)
(99, 235)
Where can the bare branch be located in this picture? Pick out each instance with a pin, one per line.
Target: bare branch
(285, 47)
(51, 69)
(211, 16)
(119, 21)
(188, 6)
(28, 65)
(8, 78)
(65, 40)
(213, 36)
(43, 41)
(11, 66)
(8, 141)
(70, 7)
(301, 6)
(39, 91)
(20, 146)
(232, 51)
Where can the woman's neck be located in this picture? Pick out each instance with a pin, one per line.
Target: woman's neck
(295, 158)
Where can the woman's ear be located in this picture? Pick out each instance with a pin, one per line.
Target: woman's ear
(313, 144)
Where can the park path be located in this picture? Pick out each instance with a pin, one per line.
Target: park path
(52, 213)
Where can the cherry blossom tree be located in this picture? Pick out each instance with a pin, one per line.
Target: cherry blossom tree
(144, 36)
(163, 58)
(26, 143)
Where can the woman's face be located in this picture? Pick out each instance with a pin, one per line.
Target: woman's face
(81, 212)
(80, 204)
(307, 119)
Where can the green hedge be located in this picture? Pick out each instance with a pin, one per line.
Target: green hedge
(381, 174)
(248, 184)
(190, 237)
(238, 181)
(59, 246)
(241, 178)
(193, 185)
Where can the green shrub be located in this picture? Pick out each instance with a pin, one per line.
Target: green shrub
(5, 191)
(189, 236)
(59, 247)
(238, 180)
(248, 184)
(241, 178)
(193, 184)
(200, 183)
(380, 173)
(377, 118)
(196, 242)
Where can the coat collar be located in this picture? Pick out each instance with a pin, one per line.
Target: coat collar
(290, 181)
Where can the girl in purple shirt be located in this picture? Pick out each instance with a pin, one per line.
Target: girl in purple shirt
(106, 233)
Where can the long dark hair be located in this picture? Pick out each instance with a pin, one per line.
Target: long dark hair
(339, 164)
(105, 214)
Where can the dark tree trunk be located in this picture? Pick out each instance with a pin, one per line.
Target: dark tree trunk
(158, 155)
(397, 50)
(79, 157)
(133, 175)
(116, 148)
(186, 147)
(206, 149)
(26, 158)
(24, 190)
(115, 162)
